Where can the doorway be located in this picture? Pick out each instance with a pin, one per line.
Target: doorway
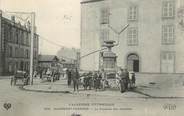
(133, 62)
(167, 62)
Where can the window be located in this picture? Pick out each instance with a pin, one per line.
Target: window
(168, 34)
(16, 52)
(35, 54)
(35, 41)
(104, 35)
(22, 37)
(27, 53)
(168, 9)
(17, 66)
(10, 67)
(9, 33)
(133, 13)
(13, 35)
(109, 62)
(167, 61)
(132, 36)
(25, 65)
(10, 51)
(6, 32)
(21, 52)
(27, 38)
(104, 16)
(17, 37)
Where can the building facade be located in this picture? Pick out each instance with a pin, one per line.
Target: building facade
(15, 46)
(152, 43)
(48, 61)
(68, 63)
(71, 55)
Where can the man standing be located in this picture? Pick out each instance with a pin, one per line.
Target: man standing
(126, 79)
(133, 80)
(103, 81)
(75, 77)
(68, 72)
(122, 81)
(95, 76)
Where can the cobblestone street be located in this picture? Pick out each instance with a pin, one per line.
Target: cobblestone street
(36, 103)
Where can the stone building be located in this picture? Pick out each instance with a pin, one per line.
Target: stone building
(15, 46)
(152, 43)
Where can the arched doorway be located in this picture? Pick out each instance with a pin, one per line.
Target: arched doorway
(133, 62)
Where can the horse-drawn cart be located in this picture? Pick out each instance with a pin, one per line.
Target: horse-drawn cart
(22, 76)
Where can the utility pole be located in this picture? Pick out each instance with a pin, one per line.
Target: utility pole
(117, 43)
(32, 47)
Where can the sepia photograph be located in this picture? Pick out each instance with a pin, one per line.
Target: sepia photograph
(91, 57)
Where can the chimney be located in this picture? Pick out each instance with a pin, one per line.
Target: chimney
(13, 18)
(1, 12)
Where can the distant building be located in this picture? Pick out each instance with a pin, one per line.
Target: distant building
(68, 63)
(48, 61)
(68, 52)
(15, 46)
(71, 55)
(153, 42)
(54, 62)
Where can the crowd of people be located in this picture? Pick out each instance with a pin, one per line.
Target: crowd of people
(50, 74)
(126, 79)
(97, 80)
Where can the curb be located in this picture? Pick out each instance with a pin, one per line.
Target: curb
(157, 97)
(79, 94)
(147, 96)
(24, 89)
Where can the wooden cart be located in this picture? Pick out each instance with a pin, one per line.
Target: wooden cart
(20, 75)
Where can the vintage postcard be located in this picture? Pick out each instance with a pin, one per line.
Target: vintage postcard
(91, 57)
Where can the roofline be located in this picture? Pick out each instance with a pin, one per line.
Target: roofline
(16, 25)
(91, 1)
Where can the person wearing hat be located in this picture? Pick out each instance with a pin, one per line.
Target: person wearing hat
(75, 78)
(133, 79)
(103, 80)
(126, 78)
(122, 80)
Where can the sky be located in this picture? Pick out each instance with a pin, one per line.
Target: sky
(56, 20)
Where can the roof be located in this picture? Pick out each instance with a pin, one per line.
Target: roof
(47, 58)
(66, 60)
